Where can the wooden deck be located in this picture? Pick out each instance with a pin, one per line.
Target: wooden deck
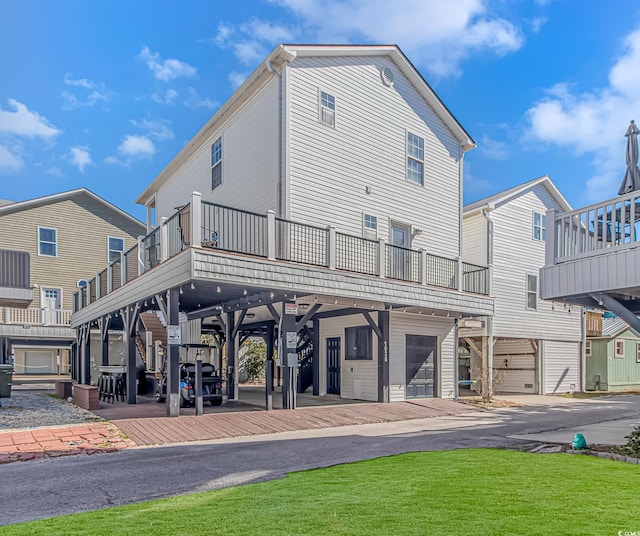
(167, 430)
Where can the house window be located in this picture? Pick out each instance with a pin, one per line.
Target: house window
(539, 226)
(358, 343)
(638, 352)
(370, 224)
(327, 109)
(216, 164)
(115, 246)
(619, 348)
(415, 158)
(47, 242)
(587, 349)
(532, 291)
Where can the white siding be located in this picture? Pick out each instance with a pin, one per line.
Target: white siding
(561, 365)
(515, 359)
(331, 167)
(516, 254)
(358, 379)
(474, 239)
(249, 159)
(403, 324)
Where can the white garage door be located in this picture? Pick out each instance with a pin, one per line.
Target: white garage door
(516, 360)
(561, 361)
(39, 362)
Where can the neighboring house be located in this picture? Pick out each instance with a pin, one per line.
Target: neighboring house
(612, 357)
(49, 246)
(536, 344)
(331, 178)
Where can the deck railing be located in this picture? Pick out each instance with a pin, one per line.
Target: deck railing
(597, 229)
(34, 316)
(233, 230)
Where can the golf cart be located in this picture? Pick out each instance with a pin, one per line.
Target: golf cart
(211, 380)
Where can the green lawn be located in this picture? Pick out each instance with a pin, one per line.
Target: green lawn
(467, 492)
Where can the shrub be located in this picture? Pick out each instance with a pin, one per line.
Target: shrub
(632, 448)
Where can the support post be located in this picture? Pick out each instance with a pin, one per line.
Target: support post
(140, 262)
(459, 271)
(423, 266)
(173, 356)
(551, 236)
(198, 388)
(271, 235)
(331, 247)
(232, 392)
(98, 285)
(269, 384)
(109, 283)
(287, 354)
(196, 219)
(123, 272)
(104, 338)
(383, 357)
(132, 369)
(316, 357)
(86, 355)
(382, 258)
(270, 344)
(164, 239)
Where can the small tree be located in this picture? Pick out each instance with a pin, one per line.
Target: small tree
(254, 358)
(485, 388)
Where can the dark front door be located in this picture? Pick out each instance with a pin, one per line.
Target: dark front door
(333, 365)
(421, 366)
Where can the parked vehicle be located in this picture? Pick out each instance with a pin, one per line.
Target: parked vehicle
(211, 379)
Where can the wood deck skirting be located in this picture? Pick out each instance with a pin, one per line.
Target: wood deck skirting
(168, 430)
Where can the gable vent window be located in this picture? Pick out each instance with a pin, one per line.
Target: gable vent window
(387, 76)
(327, 109)
(216, 164)
(415, 158)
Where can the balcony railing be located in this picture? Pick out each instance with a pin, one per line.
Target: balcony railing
(598, 229)
(238, 231)
(35, 317)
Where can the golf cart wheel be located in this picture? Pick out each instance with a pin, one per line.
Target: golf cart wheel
(216, 402)
(160, 398)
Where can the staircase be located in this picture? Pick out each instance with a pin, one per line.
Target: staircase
(305, 360)
(153, 323)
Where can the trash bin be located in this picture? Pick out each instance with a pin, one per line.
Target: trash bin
(6, 374)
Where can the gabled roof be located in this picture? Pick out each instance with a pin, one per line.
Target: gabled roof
(62, 196)
(614, 326)
(273, 63)
(505, 195)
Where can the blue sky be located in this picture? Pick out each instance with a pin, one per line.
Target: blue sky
(103, 94)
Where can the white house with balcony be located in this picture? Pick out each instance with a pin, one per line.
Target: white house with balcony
(324, 199)
(534, 345)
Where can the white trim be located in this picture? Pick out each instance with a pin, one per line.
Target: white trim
(616, 353)
(368, 232)
(322, 107)
(51, 287)
(637, 352)
(542, 227)
(40, 254)
(414, 158)
(218, 163)
(588, 348)
(526, 286)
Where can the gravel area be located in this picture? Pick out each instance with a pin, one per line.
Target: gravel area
(29, 409)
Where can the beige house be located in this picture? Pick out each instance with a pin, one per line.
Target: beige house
(49, 247)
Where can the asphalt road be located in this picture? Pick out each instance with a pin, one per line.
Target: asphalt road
(51, 487)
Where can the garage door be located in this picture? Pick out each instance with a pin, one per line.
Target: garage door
(38, 362)
(516, 360)
(561, 365)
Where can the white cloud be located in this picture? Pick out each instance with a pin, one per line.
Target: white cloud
(80, 157)
(24, 122)
(474, 186)
(169, 96)
(54, 171)
(497, 150)
(440, 34)
(195, 101)
(168, 69)
(132, 148)
(594, 123)
(537, 24)
(9, 161)
(158, 129)
(237, 78)
(94, 93)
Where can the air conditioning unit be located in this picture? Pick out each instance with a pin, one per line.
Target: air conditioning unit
(81, 283)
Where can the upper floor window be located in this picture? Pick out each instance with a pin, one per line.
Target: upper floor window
(327, 109)
(587, 349)
(532, 291)
(415, 158)
(638, 352)
(370, 224)
(216, 164)
(539, 226)
(358, 343)
(47, 242)
(619, 348)
(115, 246)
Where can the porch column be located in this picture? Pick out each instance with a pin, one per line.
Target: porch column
(173, 355)
(316, 357)
(383, 356)
(86, 355)
(232, 387)
(270, 342)
(104, 337)
(487, 355)
(130, 319)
